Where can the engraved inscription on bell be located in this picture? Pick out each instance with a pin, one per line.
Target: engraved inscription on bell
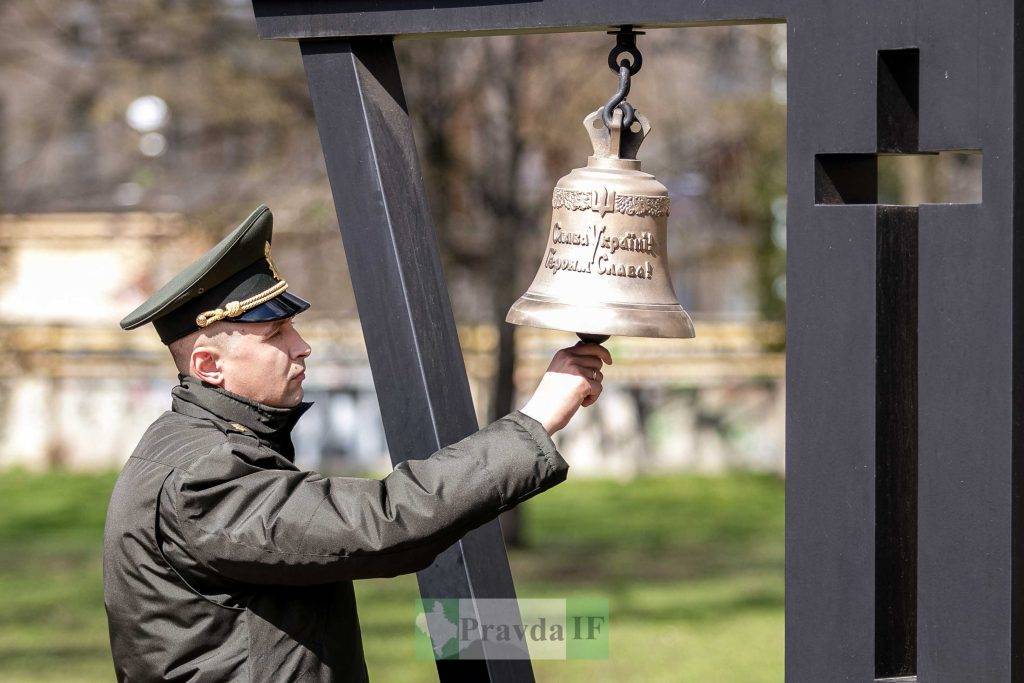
(598, 251)
(604, 270)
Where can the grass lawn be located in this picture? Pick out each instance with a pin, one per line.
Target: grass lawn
(692, 568)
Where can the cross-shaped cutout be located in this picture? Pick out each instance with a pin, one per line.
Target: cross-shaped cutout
(853, 179)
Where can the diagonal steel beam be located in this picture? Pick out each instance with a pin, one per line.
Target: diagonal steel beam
(404, 308)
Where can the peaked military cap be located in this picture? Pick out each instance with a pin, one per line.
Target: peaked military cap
(236, 280)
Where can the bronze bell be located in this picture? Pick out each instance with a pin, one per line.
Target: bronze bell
(604, 271)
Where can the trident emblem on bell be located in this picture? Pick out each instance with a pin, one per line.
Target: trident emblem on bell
(605, 270)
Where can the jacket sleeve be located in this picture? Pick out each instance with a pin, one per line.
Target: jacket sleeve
(270, 526)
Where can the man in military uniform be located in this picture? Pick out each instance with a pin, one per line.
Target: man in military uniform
(223, 560)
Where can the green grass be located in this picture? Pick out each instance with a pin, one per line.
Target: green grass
(691, 567)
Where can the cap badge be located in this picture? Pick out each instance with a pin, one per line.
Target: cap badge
(270, 261)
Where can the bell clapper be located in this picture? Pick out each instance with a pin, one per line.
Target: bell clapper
(588, 338)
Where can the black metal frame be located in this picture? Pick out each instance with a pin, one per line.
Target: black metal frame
(903, 538)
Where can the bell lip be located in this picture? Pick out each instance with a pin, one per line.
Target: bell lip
(665, 321)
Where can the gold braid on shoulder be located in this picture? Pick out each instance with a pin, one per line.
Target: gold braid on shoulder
(233, 309)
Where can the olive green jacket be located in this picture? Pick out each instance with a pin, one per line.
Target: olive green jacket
(223, 561)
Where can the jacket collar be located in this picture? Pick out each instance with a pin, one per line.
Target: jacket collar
(194, 397)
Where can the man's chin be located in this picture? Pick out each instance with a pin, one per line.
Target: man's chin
(290, 400)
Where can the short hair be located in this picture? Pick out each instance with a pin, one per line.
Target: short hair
(218, 335)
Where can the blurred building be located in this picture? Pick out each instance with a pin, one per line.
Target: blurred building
(72, 390)
(77, 392)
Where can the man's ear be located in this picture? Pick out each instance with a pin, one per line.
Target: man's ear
(206, 364)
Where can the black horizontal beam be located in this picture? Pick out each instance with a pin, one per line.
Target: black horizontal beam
(350, 18)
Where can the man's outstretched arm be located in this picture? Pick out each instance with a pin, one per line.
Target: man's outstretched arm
(226, 518)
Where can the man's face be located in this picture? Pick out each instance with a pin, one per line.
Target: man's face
(265, 362)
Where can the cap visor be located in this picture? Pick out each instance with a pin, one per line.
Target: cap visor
(284, 305)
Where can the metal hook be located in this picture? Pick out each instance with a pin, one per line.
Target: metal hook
(625, 43)
(618, 100)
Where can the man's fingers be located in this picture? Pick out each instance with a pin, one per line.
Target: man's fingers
(590, 370)
(592, 362)
(595, 391)
(591, 350)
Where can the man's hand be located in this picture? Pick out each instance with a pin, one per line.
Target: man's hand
(572, 379)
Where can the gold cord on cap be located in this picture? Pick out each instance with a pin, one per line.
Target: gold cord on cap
(233, 309)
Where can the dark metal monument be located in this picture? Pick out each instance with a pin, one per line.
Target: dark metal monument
(904, 417)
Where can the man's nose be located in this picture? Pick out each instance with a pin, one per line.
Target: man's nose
(304, 348)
